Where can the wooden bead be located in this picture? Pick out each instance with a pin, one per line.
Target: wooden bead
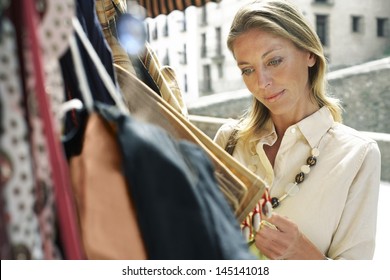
(300, 177)
(311, 161)
(275, 202)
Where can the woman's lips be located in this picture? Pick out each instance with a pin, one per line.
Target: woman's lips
(274, 97)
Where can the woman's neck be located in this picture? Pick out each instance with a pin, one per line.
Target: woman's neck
(282, 122)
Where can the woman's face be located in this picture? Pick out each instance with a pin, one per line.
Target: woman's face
(275, 71)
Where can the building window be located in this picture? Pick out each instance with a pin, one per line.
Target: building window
(203, 50)
(204, 15)
(322, 28)
(183, 24)
(166, 58)
(206, 78)
(185, 83)
(148, 32)
(323, 2)
(166, 28)
(155, 32)
(218, 35)
(382, 27)
(357, 24)
(220, 70)
(183, 55)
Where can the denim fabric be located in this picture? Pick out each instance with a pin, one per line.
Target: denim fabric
(181, 212)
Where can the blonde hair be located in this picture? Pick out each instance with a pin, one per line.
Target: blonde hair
(282, 19)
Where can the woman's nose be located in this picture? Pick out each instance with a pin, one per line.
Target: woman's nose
(263, 79)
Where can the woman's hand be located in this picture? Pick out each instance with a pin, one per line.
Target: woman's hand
(286, 242)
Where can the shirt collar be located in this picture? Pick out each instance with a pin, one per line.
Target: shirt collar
(267, 134)
(312, 128)
(316, 125)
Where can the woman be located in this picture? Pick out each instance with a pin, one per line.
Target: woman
(323, 176)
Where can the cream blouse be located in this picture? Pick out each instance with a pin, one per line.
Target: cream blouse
(336, 206)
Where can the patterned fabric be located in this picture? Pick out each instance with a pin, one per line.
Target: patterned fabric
(106, 11)
(25, 172)
(18, 190)
(67, 221)
(165, 78)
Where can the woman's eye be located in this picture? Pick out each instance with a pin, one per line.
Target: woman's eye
(275, 62)
(247, 71)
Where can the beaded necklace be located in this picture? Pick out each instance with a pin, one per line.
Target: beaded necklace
(293, 188)
(267, 204)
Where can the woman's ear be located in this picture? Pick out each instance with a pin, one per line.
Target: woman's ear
(311, 60)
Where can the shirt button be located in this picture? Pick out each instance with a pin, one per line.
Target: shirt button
(252, 167)
(255, 159)
(293, 130)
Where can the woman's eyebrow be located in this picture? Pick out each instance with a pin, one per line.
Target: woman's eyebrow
(264, 55)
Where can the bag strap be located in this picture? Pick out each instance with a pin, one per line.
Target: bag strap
(232, 142)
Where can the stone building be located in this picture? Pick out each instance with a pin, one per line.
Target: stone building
(194, 42)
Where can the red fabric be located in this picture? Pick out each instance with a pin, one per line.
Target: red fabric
(67, 220)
